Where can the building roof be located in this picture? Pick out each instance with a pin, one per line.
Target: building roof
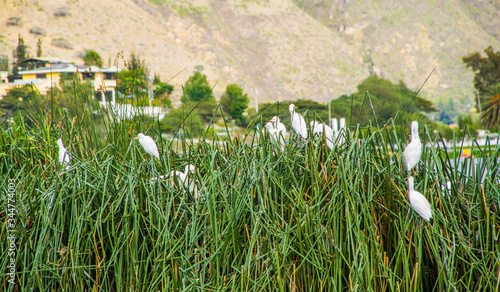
(18, 82)
(44, 59)
(69, 68)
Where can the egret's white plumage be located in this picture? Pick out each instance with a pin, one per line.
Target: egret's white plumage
(320, 128)
(278, 125)
(186, 178)
(63, 153)
(298, 122)
(275, 135)
(149, 145)
(413, 150)
(418, 202)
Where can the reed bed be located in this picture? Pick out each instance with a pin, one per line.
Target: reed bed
(302, 219)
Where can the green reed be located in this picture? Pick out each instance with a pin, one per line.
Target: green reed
(305, 219)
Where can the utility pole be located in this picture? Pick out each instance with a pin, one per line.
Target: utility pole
(329, 114)
(256, 102)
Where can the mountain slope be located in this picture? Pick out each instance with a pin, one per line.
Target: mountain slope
(276, 49)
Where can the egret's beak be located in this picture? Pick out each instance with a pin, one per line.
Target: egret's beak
(296, 107)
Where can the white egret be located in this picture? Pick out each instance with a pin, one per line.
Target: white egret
(418, 202)
(183, 178)
(413, 150)
(187, 179)
(149, 145)
(298, 122)
(278, 125)
(275, 135)
(63, 153)
(319, 129)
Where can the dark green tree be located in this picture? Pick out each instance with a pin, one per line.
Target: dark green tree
(4, 63)
(39, 48)
(24, 99)
(20, 54)
(490, 116)
(134, 80)
(162, 91)
(486, 72)
(181, 121)
(197, 89)
(234, 101)
(467, 127)
(92, 58)
(387, 99)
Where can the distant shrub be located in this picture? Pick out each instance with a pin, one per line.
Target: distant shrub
(37, 30)
(62, 43)
(62, 12)
(14, 21)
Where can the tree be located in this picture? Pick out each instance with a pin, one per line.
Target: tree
(387, 99)
(19, 54)
(197, 89)
(39, 48)
(92, 58)
(467, 126)
(486, 72)
(4, 63)
(178, 119)
(134, 80)
(23, 98)
(162, 91)
(234, 101)
(490, 117)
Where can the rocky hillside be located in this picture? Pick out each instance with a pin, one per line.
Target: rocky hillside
(277, 49)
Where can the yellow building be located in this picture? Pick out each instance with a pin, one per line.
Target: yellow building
(43, 78)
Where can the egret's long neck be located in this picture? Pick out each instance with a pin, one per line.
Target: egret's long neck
(414, 133)
(410, 185)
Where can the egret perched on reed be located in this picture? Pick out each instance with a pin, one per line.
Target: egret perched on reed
(278, 125)
(183, 178)
(413, 150)
(186, 178)
(149, 145)
(319, 129)
(418, 202)
(63, 153)
(275, 135)
(298, 122)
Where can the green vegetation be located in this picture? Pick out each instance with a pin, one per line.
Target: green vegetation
(299, 220)
(234, 102)
(486, 82)
(92, 58)
(378, 100)
(39, 48)
(133, 80)
(197, 89)
(20, 101)
(4, 63)
(490, 115)
(19, 54)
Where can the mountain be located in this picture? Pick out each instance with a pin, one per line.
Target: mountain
(279, 50)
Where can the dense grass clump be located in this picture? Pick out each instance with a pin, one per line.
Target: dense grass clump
(305, 219)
